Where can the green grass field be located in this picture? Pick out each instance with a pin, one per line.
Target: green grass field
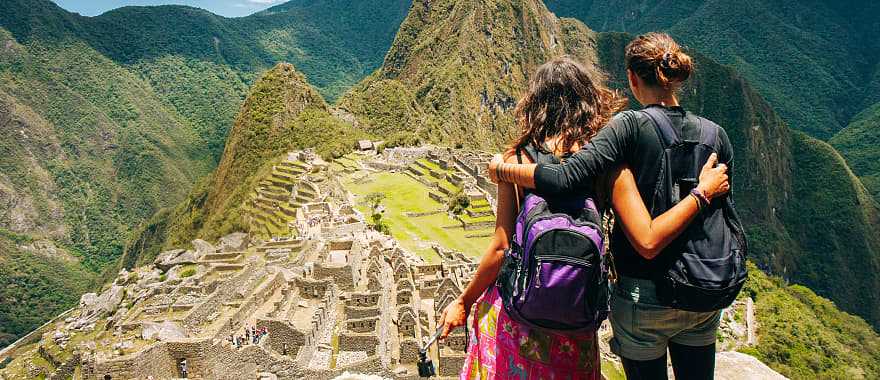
(611, 372)
(404, 194)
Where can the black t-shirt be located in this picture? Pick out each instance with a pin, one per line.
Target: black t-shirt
(629, 138)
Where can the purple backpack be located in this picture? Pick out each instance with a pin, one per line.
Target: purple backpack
(553, 275)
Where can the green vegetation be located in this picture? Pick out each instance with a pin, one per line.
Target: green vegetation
(374, 203)
(611, 372)
(188, 271)
(835, 222)
(450, 80)
(457, 202)
(810, 63)
(406, 195)
(804, 336)
(42, 286)
(859, 143)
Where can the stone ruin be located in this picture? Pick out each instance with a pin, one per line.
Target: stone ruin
(337, 298)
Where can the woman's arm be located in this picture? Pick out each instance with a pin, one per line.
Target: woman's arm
(648, 236)
(455, 314)
(606, 150)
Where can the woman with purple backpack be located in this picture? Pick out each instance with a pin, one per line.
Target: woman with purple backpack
(530, 319)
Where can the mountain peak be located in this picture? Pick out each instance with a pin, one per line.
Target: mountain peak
(465, 62)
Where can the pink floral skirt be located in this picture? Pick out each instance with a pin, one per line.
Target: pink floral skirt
(502, 348)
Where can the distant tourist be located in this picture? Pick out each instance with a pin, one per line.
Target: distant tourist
(673, 281)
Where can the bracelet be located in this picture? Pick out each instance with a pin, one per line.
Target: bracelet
(702, 200)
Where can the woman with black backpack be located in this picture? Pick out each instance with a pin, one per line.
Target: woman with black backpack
(531, 320)
(670, 290)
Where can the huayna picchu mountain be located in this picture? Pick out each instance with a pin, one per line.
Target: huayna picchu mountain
(455, 70)
(282, 112)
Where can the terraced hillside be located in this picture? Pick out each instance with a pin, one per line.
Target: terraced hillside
(282, 112)
(276, 199)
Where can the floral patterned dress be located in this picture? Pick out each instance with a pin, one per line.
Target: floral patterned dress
(502, 348)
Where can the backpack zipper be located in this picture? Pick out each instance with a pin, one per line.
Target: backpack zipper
(538, 275)
(570, 260)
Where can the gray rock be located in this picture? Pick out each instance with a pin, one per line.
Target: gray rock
(148, 277)
(234, 242)
(88, 299)
(94, 307)
(202, 247)
(163, 331)
(170, 259)
(123, 278)
(165, 257)
(109, 300)
(732, 365)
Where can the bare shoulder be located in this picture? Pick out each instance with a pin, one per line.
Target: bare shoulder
(510, 157)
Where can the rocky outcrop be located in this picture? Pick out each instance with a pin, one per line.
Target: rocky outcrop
(175, 257)
(93, 306)
(733, 365)
(234, 242)
(163, 331)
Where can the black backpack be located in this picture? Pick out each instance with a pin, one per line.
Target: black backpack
(707, 268)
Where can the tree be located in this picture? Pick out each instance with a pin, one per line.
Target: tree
(374, 202)
(458, 202)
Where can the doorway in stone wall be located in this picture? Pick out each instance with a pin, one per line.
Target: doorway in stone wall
(182, 368)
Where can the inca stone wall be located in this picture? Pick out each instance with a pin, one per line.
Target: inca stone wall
(155, 361)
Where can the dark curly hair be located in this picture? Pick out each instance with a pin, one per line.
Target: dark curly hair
(564, 99)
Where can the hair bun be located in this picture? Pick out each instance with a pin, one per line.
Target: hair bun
(658, 60)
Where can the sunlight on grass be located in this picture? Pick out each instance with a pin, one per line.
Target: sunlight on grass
(404, 194)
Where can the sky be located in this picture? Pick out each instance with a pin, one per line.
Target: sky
(228, 8)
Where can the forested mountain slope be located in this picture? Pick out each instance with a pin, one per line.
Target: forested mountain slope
(811, 60)
(88, 150)
(107, 119)
(859, 143)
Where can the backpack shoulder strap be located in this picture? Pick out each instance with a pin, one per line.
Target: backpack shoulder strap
(708, 132)
(663, 124)
(539, 157)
